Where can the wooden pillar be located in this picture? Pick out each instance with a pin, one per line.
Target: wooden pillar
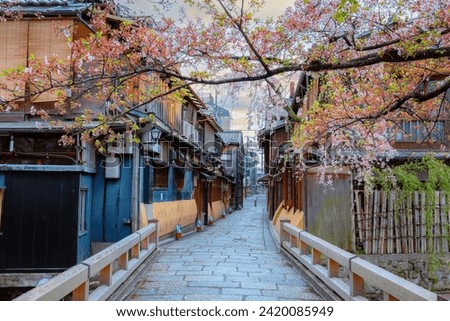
(123, 261)
(315, 256)
(144, 243)
(389, 297)
(81, 293)
(135, 251)
(303, 248)
(333, 268)
(105, 276)
(356, 285)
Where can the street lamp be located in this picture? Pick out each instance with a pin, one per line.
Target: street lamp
(155, 135)
(150, 140)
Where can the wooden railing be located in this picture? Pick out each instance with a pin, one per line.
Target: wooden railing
(311, 250)
(110, 267)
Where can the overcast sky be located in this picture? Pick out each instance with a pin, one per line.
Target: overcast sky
(239, 109)
(273, 8)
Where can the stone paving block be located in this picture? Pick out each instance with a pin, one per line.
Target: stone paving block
(160, 273)
(292, 293)
(235, 259)
(259, 285)
(218, 272)
(159, 284)
(219, 284)
(183, 267)
(200, 297)
(171, 258)
(203, 263)
(220, 269)
(163, 278)
(187, 290)
(261, 298)
(302, 297)
(160, 266)
(241, 291)
(198, 273)
(247, 278)
(212, 278)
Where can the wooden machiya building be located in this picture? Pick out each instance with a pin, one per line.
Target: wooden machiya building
(45, 188)
(298, 194)
(233, 164)
(58, 204)
(184, 166)
(344, 215)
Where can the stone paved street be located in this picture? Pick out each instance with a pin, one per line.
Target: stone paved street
(235, 259)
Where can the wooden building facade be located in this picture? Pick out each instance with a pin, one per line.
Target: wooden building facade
(56, 202)
(337, 213)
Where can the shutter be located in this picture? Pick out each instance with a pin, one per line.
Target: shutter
(14, 54)
(45, 40)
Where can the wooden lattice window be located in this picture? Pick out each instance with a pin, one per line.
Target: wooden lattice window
(31, 39)
(13, 55)
(161, 177)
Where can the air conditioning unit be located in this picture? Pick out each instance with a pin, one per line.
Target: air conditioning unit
(194, 137)
(164, 154)
(122, 145)
(112, 167)
(88, 154)
(187, 129)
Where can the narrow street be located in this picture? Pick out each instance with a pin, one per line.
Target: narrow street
(235, 259)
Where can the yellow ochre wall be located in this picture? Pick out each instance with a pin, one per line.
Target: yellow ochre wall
(169, 214)
(296, 217)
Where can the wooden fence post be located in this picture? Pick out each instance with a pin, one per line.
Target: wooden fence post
(284, 236)
(356, 285)
(333, 268)
(81, 293)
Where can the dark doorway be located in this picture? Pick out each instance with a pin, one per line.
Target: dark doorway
(39, 221)
(206, 201)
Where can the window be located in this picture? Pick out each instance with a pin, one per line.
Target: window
(24, 38)
(82, 226)
(161, 177)
(15, 34)
(416, 131)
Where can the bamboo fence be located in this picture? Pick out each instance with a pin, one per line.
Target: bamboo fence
(386, 223)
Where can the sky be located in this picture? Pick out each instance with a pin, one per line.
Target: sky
(272, 8)
(239, 108)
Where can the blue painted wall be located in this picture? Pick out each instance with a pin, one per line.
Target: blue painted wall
(188, 186)
(172, 185)
(161, 195)
(84, 238)
(2, 180)
(111, 210)
(171, 193)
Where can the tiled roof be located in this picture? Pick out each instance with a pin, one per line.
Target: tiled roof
(232, 137)
(45, 7)
(36, 2)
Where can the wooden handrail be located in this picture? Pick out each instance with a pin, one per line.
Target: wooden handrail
(127, 255)
(309, 249)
